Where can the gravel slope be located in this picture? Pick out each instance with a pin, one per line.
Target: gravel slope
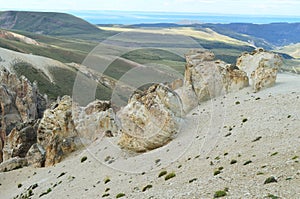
(259, 128)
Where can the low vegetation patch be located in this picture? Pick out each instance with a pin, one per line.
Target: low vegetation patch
(219, 194)
(83, 159)
(149, 186)
(162, 173)
(170, 175)
(247, 162)
(233, 161)
(46, 192)
(120, 195)
(271, 179)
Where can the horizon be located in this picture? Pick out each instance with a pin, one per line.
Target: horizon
(182, 18)
(247, 7)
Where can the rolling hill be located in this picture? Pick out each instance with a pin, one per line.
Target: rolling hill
(48, 23)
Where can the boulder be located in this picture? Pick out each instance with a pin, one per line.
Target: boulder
(12, 164)
(20, 139)
(36, 156)
(66, 126)
(150, 119)
(261, 67)
(94, 120)
(206, 78)
(263, 77)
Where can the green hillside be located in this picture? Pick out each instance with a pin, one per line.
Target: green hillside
(48, 23)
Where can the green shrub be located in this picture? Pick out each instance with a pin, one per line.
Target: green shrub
(84, 158)
(217, 172)
(170, 175)
(247, 162)
(271, 179)
(149, 186)
(233, 161)
(220, 193)
(192, 180)
(106, 180)
(272, 196)
(162, 173)
(120, 195)
(273, 154)
(105, 195)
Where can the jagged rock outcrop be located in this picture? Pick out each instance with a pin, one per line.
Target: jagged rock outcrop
(56, 132)
(261, 67)
(19, 141)
(36, 155)
(20, 102)
(150, 119)
(65, 127)
(206, 78)
(95, 120)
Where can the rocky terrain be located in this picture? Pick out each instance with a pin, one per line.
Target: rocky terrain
(216, 135)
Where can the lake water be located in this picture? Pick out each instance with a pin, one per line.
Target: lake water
(124, 17)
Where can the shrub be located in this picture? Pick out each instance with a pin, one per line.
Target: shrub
(273, 154)
(149, 186)
(120, 195)
(192, 180)
(247, 162)
(295, 157)
(170, 175)
(162, 173)
(271, 179)
(220, 193)
(106, 180)
(19, 185)
(84, 158)
(217, 172)
(105, 195)
(272, 196)
(233, 161)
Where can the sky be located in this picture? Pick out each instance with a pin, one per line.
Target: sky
(244, 7)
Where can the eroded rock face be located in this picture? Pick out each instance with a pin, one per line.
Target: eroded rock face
(95, 120)
(20, 102)
(55, 129)
(261, 66)
(206, 79)
(65, 127)
(150, 119)
(36, 155)
(19, 141)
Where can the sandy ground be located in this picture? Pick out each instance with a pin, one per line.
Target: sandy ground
(259, 127)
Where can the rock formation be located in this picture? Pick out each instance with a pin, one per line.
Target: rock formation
(150, 119)
(95, 120)
(21, 105)
(12, 164)
(56, 131)
(261, 66)
(205, 78)
(36, 155)
(19, 141)
(65, 127)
